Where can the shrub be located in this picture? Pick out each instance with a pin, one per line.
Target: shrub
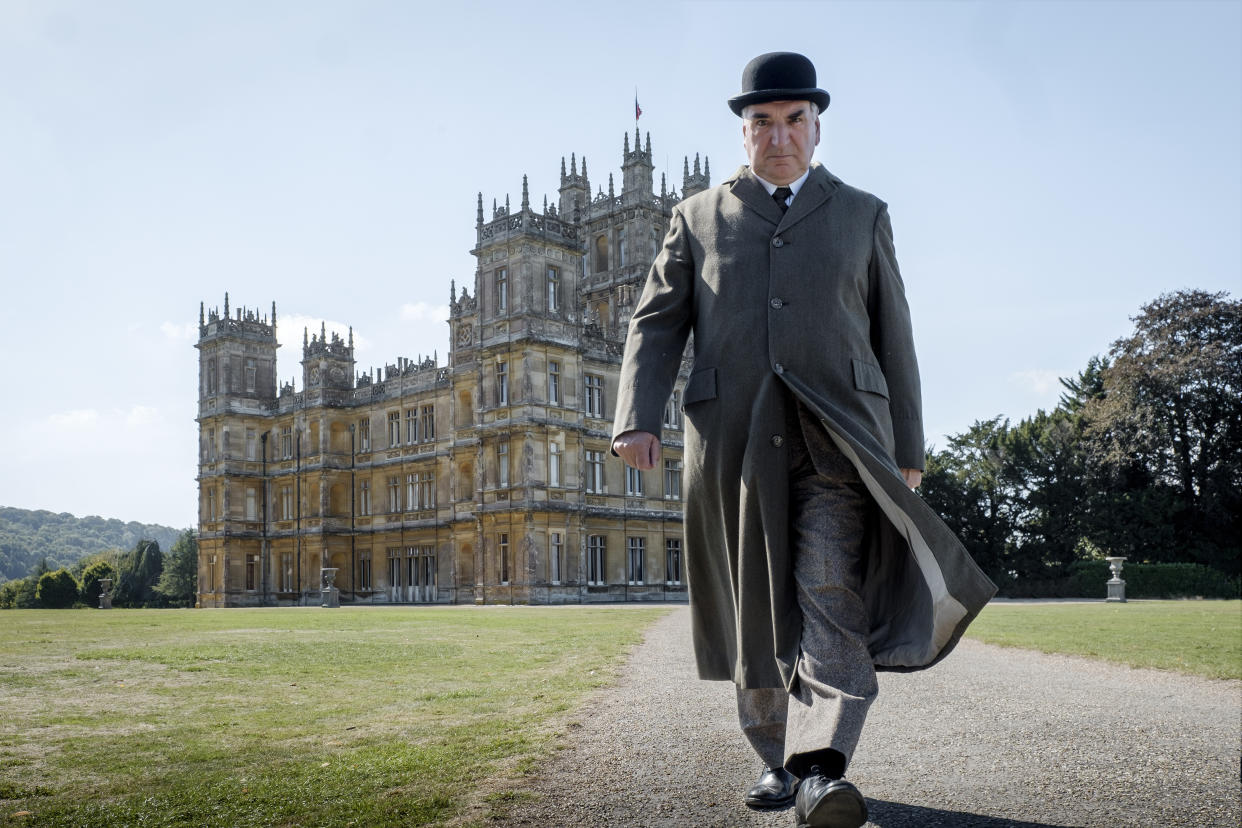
(90, 581)
(18, 594)
(57, 590)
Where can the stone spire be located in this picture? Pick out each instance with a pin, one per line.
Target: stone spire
(525, 194)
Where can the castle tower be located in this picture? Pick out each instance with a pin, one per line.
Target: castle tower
(237, 392)
(698, 181)
(636, 170)
(575, 191)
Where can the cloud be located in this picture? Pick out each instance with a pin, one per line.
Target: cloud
(423, 312)
(179, 332)
(290, 328)
(79, 419)
(141, 415)
(1039, 381)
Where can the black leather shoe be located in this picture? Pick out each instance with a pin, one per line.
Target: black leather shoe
(828, 803)
(775, 788)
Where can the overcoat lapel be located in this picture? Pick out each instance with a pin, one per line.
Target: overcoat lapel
(819, 186)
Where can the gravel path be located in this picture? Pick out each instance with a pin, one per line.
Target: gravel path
(991, 737)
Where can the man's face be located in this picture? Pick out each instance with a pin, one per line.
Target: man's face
(780, 137)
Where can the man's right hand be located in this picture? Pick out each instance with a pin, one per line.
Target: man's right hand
(640, 449)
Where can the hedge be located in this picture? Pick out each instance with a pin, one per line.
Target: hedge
(1087, 579)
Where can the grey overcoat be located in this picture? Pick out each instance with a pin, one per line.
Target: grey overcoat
(812, 300)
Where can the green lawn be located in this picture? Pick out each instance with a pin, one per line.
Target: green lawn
(357, 716)
(1199, 637)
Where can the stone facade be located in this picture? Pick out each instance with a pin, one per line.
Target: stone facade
(485, 480)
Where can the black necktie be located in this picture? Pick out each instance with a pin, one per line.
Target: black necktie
(780, 196)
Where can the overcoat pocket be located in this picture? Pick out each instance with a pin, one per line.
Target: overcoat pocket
(701, 386)
(869, 377)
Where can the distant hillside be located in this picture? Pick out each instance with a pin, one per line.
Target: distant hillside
(26, 536)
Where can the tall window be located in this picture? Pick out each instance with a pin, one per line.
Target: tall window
(672, 480)
(411, 487)
(502, 463)
(556, 551)
(286, 503)
(633, 481)
(554, 288)
(394, 494)
(211, 503)
(554, 382)
(429, 423)
(672, 561)
(623, 259)
(286, 442)
(595, 472)
(250, 444)
(286, 572)
(228, 444)
(502, 289)
(364, 498)
(502, 383)
(503, 545)
(364, 570)
(252, 572)
(411, 426)
(672, 411)
(554, 464)
(364, 434)
(209, 446)
(594, 395)
(251, 374)
(252, 504)
(601, 253)
(211, 377)
(395, 590)
(636, 551)
(595, 560)
(394, 429)
(427, 490)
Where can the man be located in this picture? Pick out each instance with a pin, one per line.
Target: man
(810, 560)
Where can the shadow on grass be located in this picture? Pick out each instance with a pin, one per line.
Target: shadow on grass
(899, 815)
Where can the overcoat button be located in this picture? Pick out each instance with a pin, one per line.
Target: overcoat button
(778, 242)
(777, 303)
(778, 368)
(778, 440)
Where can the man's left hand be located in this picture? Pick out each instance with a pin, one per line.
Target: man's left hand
(913, 477)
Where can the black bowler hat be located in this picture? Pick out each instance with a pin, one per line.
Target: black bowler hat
(778, 76)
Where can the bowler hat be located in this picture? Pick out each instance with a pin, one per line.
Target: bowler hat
(778, 76)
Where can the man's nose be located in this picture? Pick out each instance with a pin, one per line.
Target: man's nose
(780, 134)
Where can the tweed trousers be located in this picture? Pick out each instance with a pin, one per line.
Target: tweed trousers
(830, 511)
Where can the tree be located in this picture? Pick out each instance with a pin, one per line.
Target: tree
(966, 484)
(1166, 433)
(19, 594)
(138, 571)
(179, 582)
(57, 590)
(91, 576)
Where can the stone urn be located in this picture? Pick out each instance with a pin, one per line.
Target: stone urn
(105, 593)
(1116, 586)
(330, 594)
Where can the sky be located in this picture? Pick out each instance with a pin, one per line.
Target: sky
(1049, 167)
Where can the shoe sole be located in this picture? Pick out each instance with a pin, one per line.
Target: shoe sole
(843, 808)
(771, 804)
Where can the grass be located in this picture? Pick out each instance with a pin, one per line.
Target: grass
(288, 717)
(1198, 637)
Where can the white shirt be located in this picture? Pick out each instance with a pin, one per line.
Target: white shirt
(794, 186)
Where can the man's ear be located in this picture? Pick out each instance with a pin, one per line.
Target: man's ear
(817, 130)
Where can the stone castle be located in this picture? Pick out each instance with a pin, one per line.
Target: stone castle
(485, 480)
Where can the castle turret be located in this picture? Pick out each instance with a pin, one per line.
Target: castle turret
(575, 190)
(698, 181)
(636, 170)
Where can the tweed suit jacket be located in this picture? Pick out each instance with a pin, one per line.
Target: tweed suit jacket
(810, 300)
